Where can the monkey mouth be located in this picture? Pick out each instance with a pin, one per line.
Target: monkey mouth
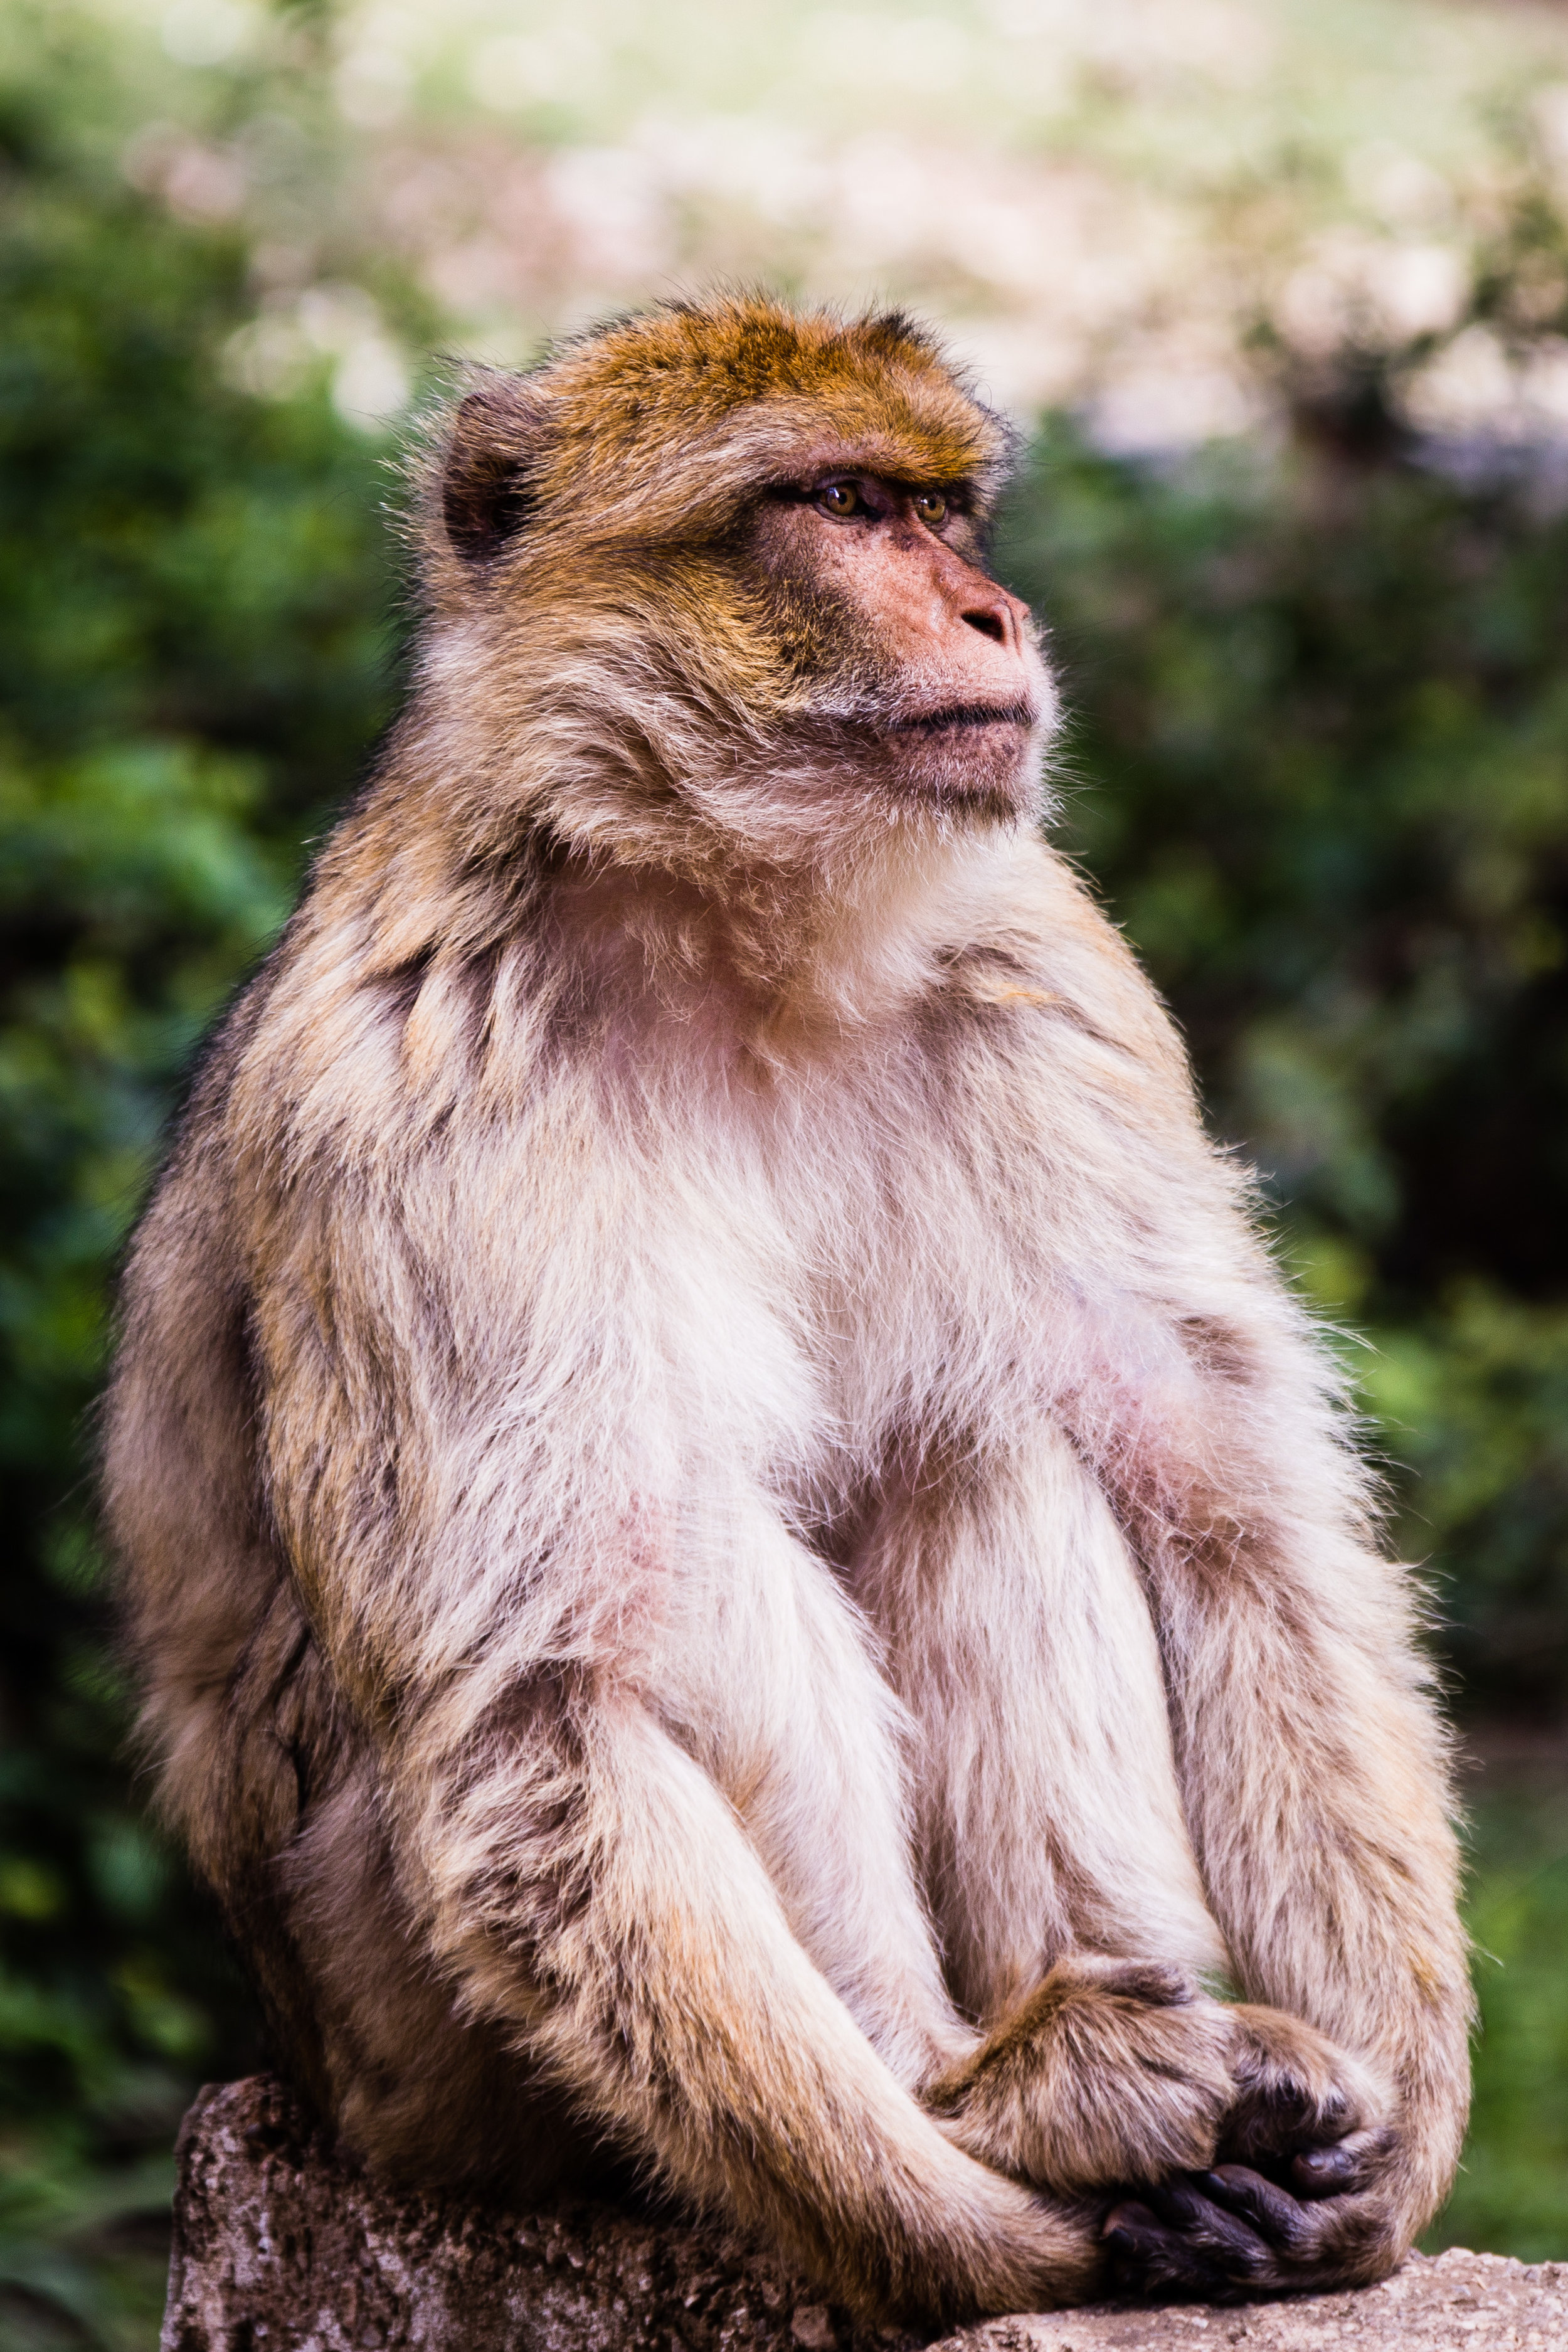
(967, 714)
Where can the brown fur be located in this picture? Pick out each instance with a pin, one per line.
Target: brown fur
(738, 1559)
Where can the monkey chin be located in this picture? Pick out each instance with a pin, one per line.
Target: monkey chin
(972, 766)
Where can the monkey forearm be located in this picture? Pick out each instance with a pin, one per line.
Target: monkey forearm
(1312, 1765)
(1332, 1866)
(614, 1914)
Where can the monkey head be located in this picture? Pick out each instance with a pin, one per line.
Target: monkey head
(714, 579)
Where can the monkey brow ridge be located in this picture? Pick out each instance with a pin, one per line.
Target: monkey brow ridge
(878, 380)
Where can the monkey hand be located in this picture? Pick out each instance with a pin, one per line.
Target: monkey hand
(1113, 2072)
(1298, 2095)
(1231, 2234)
(1305, 2193)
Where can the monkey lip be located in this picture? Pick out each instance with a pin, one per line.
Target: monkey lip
(967, 714)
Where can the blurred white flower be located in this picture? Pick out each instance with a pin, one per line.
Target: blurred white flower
(1418, 290)
(610, 200)
(272, 356)
(1143, 42)
(518, 69)
(370, 384)
(1019, 365)
(372, 85)
(269, 359)
(882, 199)
(1475, 392)
(1543, 384)
(197, 181)
(909, 51)
(1174, 391)
(1550, 109)
(1406, 192)
(208, 32)
(1468, 388)
(1358, 288)
(773, 167)
(335, 316)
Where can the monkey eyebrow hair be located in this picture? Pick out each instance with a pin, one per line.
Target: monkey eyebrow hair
(960, 495)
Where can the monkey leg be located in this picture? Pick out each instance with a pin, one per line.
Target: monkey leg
(784, 1702)
(1019, 1638)
(1021, 1643)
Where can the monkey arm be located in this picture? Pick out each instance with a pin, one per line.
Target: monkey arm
(1310, 1761)
(1309, 1757)
(1332, 1870)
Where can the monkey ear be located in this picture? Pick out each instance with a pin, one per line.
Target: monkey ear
(489, 476)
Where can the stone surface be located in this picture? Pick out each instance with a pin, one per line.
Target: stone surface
(277, 2248)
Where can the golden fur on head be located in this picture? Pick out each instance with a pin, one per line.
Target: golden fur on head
(596, 643)
(654, 426)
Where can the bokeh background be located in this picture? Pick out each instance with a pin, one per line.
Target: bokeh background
(1279, 293)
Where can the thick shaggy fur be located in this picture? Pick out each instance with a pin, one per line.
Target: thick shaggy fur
(740, 1563)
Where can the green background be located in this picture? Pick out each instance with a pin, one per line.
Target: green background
(1317, 763)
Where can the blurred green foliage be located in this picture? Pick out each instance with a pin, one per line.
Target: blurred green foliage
(1513, 2191)
(1318, 763)
(193, 590)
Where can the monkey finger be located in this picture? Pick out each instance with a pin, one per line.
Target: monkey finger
(1160, 1986)
(1158, 1982)
(1348, 2164)
(1276, 2216)
(1148, 2259)
(1232, 2245)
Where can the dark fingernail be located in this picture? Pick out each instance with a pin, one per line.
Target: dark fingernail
(1130, 2212)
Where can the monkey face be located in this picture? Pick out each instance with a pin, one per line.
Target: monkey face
(715, 585)
(915, 673)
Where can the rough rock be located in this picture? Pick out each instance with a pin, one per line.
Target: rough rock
(281, 2248)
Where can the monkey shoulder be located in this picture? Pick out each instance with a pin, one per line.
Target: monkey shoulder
(1047, 979)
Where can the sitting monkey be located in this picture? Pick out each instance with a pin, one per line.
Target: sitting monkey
(740, 1566)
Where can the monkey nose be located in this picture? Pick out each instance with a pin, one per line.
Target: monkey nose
(996, 616)
(993, 620)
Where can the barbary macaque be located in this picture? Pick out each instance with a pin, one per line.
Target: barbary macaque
(742, 1571)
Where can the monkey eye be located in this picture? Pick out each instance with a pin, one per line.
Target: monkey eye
(839, 499)
(932, 508)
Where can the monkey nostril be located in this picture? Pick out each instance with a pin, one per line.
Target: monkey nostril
(990, 624)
